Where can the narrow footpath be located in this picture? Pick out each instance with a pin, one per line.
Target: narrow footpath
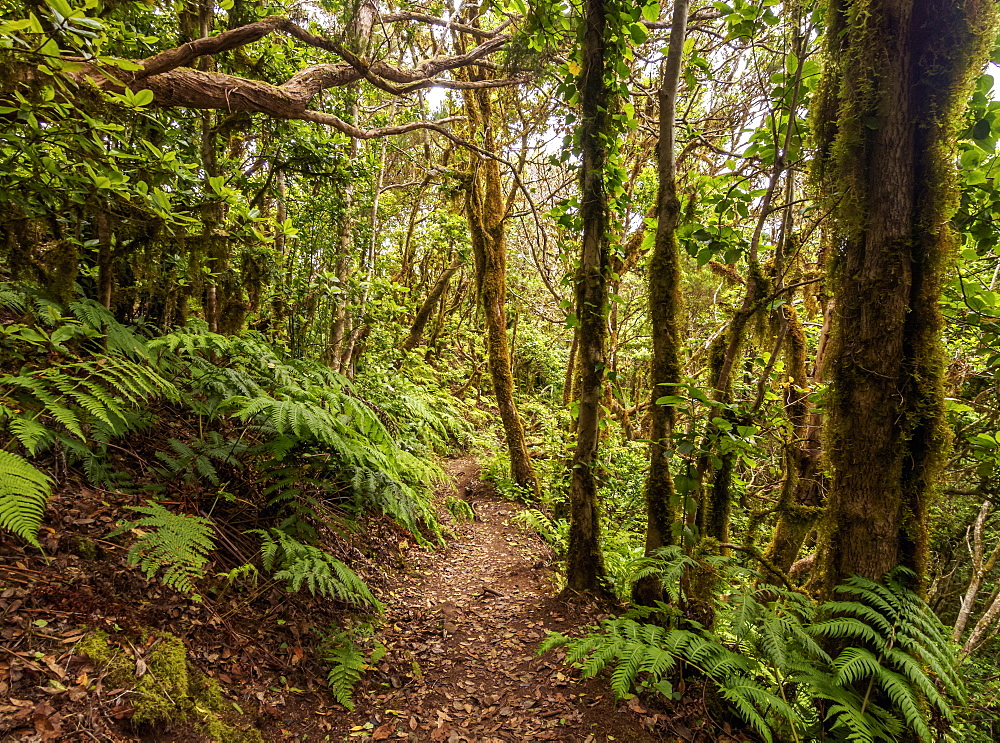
(461, 630)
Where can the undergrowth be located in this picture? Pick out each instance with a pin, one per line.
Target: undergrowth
(292, 446)
(873, 665)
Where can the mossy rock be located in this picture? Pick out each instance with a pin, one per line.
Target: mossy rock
(169, 690)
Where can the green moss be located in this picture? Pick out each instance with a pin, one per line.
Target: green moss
(170, 692)
(117, 667)
(887, 435)
(703, 582)
(164, 687)
(87, 548)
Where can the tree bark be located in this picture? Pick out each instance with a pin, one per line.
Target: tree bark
(485, 208)
(982, 626)
(665, 311)
(803, 491)
(105, 259)
(897, 78)
(585, 561)
(344, 258)
(427, 307)
(981, 567)
(174, 85)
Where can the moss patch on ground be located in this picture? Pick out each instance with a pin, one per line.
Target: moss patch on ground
(168, 690)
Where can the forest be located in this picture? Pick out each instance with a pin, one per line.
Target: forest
(511, 370)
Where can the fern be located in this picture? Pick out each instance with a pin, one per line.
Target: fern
(896, 667)
(300, 564)
(554, 531)
(347, 663)
(28, 431)
(12, 298)
(82, 393)
(459, 508)
(194, 459)
(667, 564)
(178, 544)
(120, 340)
(23, 493)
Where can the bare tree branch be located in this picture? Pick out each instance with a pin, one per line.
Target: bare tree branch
(445, 23)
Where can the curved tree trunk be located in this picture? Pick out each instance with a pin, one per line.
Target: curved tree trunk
(897, 78)
(485, 208)
(424, 313)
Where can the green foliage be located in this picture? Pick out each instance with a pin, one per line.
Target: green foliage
(299, 564)
(318, 434)
(79, 403)
(197, 456)
(552, 530)
(346, 663)
(23, 492)
(80, 395)
(459, 508)
(176, 543)
(893, 672)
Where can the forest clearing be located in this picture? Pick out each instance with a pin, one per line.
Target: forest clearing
(570, 370)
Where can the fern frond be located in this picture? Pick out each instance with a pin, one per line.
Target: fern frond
(854, 664)
(300, 564)
(23, 493)
(29, 432)
(178, 544)
(346, 666)
(553, 640)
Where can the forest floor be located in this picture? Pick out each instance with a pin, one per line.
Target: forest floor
(463, 624)
(460, 631)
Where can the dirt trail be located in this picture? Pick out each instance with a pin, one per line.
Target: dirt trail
(462, 628)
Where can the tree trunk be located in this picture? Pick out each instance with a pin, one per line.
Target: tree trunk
(570, 370)
(981, 567)
(105, 259)
(802, 493)
(344, 258)
(665, 310)
(585, 562)
(485, 208)
(896, 81)
(424, 313)
(352, 350)
(982, 626)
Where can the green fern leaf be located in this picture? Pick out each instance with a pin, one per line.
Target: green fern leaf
(23, 493)
(178, 544)
(347, 663)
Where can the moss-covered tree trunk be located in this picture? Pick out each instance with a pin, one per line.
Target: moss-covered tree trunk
(896, 81)
(803, 490)
(434, 298)
(585, 562)
(665, 309)
(486, 209)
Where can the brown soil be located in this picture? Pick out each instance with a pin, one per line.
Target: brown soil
(462, 627)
